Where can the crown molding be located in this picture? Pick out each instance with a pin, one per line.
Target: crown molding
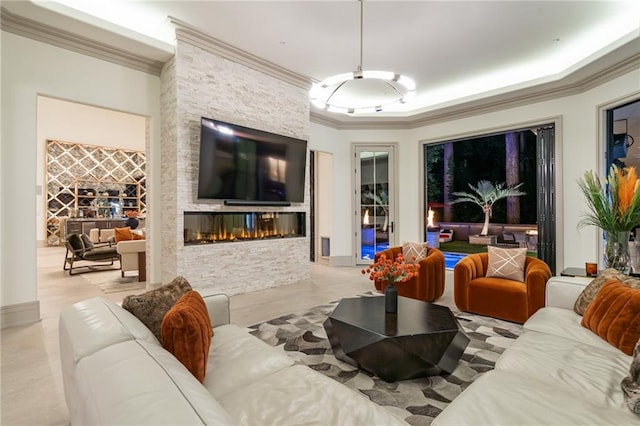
(609, 67)
(196, 37)
(620, 61)
(35, 30)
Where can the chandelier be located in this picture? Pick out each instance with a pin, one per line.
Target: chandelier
(362, 91)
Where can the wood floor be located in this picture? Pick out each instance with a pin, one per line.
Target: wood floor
(31, 379)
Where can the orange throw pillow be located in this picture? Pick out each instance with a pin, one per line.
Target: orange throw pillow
(614, 315)
(122, 234)
(187, 333)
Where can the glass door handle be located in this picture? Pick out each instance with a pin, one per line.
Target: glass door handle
(391, 227)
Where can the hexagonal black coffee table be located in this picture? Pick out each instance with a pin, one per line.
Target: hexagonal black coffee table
(422, 339)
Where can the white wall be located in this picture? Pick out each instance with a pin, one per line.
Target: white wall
(338, 143)
(29, 69)
(84, 124)
(578, 148)
(324, 190)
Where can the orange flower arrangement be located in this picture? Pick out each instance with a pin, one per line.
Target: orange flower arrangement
(132, 213)
(391, 271)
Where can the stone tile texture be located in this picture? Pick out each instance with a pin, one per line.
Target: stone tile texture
(199, 83)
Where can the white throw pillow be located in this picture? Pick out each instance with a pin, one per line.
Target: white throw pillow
(506, 263)
(414, 252)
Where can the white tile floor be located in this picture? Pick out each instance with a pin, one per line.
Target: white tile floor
(31, 379)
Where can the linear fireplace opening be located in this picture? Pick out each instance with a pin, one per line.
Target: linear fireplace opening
(227, 227)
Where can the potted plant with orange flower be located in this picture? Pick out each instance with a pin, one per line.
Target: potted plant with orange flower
(615, 208)
(391, 271)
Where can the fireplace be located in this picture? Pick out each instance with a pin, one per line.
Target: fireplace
(228, 227)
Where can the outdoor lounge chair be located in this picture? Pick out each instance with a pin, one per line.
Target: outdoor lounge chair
(80, 249)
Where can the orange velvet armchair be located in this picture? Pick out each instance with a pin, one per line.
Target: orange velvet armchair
(428, 285)
(499, 297)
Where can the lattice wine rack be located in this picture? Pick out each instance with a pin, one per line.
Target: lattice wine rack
(88, 179)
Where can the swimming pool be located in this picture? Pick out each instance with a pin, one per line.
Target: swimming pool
(450, 258)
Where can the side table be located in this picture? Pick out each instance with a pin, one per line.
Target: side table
(576, 272)
(581, 272)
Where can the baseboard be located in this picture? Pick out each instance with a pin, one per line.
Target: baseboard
(323, 260)
(19, 314)
(341, 261)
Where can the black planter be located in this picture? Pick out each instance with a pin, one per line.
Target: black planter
(132, 223)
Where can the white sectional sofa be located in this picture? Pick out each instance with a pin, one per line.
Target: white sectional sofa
(556, 373)
(116, 372)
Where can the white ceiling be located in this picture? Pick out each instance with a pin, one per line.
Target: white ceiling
(455, 50)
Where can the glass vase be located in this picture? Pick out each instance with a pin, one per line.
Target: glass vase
(616, 251)
(391, 299)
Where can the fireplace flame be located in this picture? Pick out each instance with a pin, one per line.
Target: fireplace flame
(430, 219)
(267, 226)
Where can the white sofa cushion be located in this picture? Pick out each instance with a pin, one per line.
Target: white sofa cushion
(504, 398)
(565, 323)
(236, 359)
(301, 396)
(588, 372)
(135, 382)
(562, 292)
(96, 323)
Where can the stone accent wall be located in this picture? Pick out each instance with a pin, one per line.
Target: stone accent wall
(198, 83)
(169, 166)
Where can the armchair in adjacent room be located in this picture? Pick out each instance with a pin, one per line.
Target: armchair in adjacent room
(85, 256)
(502, 298)
(428, 285)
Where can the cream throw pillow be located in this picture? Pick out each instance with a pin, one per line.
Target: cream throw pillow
(506, 263)
(414, 250)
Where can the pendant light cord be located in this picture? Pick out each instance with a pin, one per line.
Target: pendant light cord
(361, 32)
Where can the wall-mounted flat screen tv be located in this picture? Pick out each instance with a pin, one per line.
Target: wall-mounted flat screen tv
(250, 165)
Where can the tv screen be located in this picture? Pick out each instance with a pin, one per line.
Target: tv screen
(239, 163)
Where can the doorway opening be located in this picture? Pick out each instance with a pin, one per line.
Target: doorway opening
(374, 215)
(521, 159)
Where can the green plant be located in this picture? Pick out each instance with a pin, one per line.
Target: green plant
(485, 195)
(614, 207)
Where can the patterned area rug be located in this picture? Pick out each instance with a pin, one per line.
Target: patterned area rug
(418, 401)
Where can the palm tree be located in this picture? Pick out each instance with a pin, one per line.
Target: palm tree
(485, 195)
